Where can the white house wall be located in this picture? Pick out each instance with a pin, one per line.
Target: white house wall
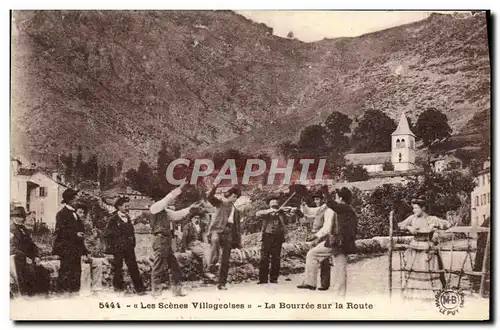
(374, 167)
(481, 200)
(46, 207)
(18, 189)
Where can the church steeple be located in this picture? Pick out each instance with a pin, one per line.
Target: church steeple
(403, 146)
(403, 127)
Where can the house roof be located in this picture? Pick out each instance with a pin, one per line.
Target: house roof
(48, 175)
(370, 184)
(120, 190)
(26, 171)
(403, 127)
(445, 157)
(371, 158)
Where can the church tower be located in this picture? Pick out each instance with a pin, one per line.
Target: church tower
(403, 146)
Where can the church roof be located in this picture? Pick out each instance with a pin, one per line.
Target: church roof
(403, 127)
(371, 158)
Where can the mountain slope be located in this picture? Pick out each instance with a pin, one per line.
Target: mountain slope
(118, 83)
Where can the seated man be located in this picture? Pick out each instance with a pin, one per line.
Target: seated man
(27, 276)
(194, 238)
(94, 272)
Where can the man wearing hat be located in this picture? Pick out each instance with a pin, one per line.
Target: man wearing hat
(24, 256)
(120, 235)
(225, 231)
(273, 236)
(69, 244)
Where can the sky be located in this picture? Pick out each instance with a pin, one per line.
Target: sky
(311, 26)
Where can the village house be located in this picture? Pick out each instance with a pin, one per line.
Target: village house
(481, 196)
(39, 192)
(401, 156)
(443, 162)
(139, 203)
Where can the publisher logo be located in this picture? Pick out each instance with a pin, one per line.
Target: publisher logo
(449, 301)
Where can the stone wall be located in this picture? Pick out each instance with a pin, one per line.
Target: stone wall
(244, 263)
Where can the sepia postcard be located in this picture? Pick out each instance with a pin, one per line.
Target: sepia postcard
(250, 165)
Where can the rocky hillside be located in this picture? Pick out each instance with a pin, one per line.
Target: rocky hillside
(118, 83)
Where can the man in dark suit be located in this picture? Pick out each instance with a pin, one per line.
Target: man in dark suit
(273, 236)
(31, 277)
(69, 244)
(225, 231)
(120, 235)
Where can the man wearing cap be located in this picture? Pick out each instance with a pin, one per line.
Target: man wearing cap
(225, 231)
(273, 236)
(319, 213)
(163, 254)
(69, 244)
(24, 257)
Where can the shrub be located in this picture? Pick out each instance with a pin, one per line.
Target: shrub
(388, 166)
(354, 173)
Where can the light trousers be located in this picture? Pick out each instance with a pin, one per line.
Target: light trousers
(316, 256)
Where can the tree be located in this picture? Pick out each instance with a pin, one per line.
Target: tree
(290, 35)
(288, 149)
(337, 125)
(373, 133)
(162, 161)
(312, 142)
(119, 167)
(79, 166)
(92, 169)
(335, 162)
(133, 179)
(145, 178)
(432, 125)
(102, 177)
(410, 124)
(442, 192)
(110, 175)
(354, 173)
(68, 166)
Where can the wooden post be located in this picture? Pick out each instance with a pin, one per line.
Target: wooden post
(482, 286)
(391, 215)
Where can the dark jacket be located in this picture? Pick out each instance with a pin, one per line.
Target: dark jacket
(347, 226)
(66, 240)
(219, 221)
(274, 224)
(119, 235)
(21, 243)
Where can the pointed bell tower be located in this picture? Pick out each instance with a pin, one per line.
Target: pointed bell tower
(403, 146)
